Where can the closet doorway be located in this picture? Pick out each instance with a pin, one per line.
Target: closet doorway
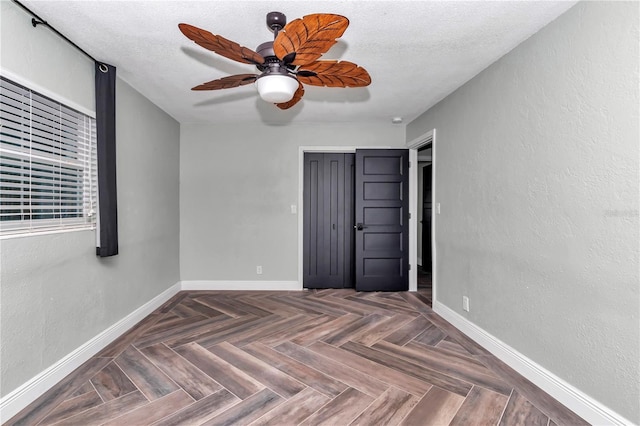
(355, 223)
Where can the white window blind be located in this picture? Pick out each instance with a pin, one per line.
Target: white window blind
(48, 172)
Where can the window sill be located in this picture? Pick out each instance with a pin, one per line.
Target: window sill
(23, 234)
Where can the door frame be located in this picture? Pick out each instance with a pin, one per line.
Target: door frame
(300, 207)
(422, 140)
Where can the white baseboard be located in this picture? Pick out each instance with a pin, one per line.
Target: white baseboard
(242, 285)
(574, 399)
(14, 402)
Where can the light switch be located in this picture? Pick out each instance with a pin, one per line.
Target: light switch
(294, 209)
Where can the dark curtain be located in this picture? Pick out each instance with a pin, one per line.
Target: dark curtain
(105, 76)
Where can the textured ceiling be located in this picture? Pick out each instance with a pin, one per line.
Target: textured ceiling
(417, 52)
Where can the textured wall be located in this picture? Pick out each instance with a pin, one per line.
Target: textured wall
(39, 56)
(237, 184)
(55, 294)
(538, 180)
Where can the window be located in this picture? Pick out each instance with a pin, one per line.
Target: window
(48, 173)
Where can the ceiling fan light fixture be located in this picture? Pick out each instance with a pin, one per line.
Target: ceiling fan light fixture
(277, 88)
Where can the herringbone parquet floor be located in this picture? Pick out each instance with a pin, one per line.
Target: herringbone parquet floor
(332, 357)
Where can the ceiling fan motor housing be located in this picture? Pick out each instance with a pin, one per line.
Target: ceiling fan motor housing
(266, 50)
(271, 65)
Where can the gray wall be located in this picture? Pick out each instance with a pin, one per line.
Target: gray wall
(537, 176)
(55, 294)
(237, 185)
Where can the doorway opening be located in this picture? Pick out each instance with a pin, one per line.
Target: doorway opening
(359, 202)
(425, 214)
(424, 208)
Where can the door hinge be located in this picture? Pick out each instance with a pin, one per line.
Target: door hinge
(409, 266)
(409, 215)
(409, 164)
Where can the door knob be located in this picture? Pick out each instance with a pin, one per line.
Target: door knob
(359, 226)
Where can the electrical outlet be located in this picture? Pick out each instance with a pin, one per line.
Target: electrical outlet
(259, 270)
(437, 208)
(294, 209)
(465, 303)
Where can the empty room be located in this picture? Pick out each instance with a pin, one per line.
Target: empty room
(319, 212)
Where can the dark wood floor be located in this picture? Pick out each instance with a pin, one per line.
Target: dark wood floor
(332, 357)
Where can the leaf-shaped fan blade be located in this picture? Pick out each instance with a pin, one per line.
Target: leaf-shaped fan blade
(296, 98)
(228, 82)
(309, 37)
(334, 74)
(221, 45)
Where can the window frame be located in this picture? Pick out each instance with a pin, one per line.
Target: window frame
(68, 162)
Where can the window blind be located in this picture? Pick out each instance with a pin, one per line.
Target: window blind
(48, 173)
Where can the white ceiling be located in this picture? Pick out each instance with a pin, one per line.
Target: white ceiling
(417, 52)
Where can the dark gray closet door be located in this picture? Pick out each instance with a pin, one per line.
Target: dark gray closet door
(328, 220)
(382, 219)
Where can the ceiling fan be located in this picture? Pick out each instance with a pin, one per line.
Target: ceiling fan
(287, 62)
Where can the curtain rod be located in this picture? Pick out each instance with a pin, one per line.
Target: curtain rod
(36, 20)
